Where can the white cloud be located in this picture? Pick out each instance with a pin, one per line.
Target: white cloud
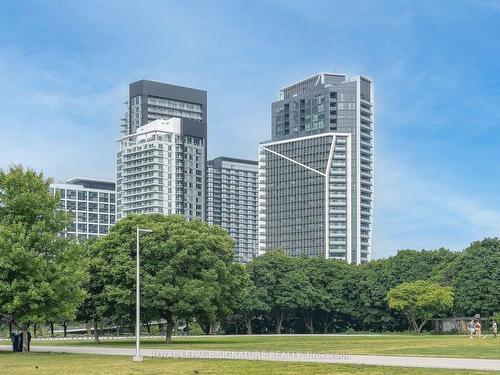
(416, 211)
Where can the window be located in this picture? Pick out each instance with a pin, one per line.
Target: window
(71, 194)
(93, 196)
(82, 206)
(82, 195)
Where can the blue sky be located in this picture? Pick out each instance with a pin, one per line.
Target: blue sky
(65, 68)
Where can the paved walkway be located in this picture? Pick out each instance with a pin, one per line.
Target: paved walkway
(102, 337)
(377, 360)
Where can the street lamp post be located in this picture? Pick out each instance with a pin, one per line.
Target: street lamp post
(138, 356)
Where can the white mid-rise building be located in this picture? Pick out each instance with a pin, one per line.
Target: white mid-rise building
(161, 169)
(92, 204)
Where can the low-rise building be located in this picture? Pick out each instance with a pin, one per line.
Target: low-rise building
(91, 202)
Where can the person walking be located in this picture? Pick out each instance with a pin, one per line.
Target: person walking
(478, 329)
(494, 329)
(472, 328)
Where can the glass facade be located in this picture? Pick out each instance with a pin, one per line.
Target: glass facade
(324, 123)
(232, 202)
(92, 204)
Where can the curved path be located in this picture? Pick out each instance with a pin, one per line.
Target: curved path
(377, 360)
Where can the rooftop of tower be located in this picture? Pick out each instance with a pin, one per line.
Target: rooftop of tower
(91, 183)
(308, 83)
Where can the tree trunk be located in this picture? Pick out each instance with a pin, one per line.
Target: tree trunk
(326, 324)
(421, 326)
(279, 321)
(10, 327)
(414, 324)
(51, 329)
(34, 330)
(168, 334)
(96, 332)
(176, 327)
(205, 327)
(308, 321)
(26, 347)
(249, 326)
(148, 327)
(65, 328)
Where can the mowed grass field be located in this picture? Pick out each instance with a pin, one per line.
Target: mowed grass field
(74, 364)
(398, 345)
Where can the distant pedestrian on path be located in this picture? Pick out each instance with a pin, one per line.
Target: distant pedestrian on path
(494, 329)
(478, 329)
(472, 328)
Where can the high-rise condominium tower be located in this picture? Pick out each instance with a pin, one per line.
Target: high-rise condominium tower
(232, 202)
(161, 169)
(149, 101)
(161, 164)
(316, 173)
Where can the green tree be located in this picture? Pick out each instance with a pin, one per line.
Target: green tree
(41, 274)
(253, 302)
(187, 271)
(476, 279)
(495, 317)
(377, 277)
(92, 309)
(334, 282)
(285, 283)
(420, 301)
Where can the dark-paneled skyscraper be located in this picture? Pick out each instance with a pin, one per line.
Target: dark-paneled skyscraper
(161, 163)
(150, 100)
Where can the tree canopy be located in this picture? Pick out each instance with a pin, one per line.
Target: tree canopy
(188, 274)
(420, 301)
(475, 278)
(187, 271)
(41, 273)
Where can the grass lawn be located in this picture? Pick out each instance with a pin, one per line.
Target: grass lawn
(437, 346)
(65, 364)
